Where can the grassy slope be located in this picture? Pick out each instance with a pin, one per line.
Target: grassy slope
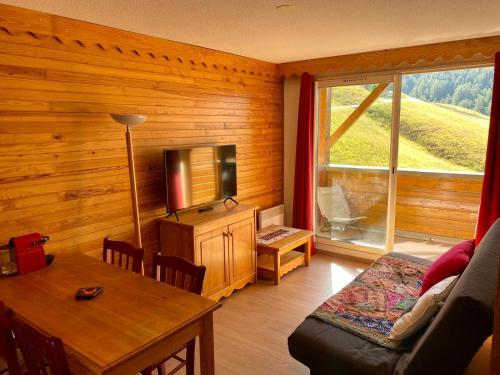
(428, 141)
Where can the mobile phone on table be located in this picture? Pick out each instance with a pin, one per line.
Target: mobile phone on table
(88, 292)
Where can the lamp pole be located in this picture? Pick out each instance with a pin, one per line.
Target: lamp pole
(130, 121)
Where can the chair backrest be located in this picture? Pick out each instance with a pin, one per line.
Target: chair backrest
(7, 344)
(123, 255)
(42, 354)
(179, 272)
(333, 203)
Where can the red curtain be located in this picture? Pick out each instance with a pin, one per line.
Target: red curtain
(489, 208)
(304, 162)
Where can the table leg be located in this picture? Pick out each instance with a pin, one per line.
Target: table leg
(207, 363)
(277, 268)
(307, 252)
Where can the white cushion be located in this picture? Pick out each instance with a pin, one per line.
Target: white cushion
(426, 307)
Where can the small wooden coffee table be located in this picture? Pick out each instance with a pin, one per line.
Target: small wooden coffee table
(280, 257)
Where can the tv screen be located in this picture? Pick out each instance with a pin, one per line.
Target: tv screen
(199, 175)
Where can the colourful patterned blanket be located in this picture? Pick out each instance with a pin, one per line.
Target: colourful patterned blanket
(370, 305)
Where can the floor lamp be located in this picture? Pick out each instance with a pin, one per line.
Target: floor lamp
(130, 121)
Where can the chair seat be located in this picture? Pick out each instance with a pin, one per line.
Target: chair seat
(348, 220)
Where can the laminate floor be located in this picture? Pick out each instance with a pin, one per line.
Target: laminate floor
(252, 327)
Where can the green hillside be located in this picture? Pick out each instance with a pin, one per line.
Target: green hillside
(434, 136)
(467, 88)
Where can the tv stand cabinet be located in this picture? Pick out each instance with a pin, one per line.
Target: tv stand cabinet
(222, 239)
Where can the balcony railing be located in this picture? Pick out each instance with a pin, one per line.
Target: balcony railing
(428, 203)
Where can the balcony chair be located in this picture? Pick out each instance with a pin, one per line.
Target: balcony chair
(123, 255)
(335, 210)
(181, 273)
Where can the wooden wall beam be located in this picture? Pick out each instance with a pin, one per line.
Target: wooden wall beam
(324, 120)
(355, 115)
(429, 55)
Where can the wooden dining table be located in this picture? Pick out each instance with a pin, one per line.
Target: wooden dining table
(135, 322)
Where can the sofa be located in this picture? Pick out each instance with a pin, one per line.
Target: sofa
(445, 346)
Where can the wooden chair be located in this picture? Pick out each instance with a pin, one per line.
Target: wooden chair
(127, 256)
(9, 363)
(181, 273)
(42, 354)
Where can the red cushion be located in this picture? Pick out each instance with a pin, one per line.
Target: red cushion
(451, 263)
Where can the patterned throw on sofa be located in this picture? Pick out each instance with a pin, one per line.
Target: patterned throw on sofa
(370, 305)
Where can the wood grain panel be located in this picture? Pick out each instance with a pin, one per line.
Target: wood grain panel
(432, 204)
(480, 50)
(63, 166)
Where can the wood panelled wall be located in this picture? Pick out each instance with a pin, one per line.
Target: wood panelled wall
(63, 161)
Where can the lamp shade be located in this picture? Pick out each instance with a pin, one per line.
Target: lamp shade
(128, 119)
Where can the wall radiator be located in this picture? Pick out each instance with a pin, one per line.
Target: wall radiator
(270, 216)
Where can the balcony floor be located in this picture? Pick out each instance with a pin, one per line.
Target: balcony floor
(428, 249)
(420, 248)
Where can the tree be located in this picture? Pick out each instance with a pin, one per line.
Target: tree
(468, 88)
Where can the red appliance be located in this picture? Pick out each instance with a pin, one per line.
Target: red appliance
(30, 255)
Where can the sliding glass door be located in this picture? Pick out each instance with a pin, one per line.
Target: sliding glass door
(444, 125)
(400, 159)
(354, 160)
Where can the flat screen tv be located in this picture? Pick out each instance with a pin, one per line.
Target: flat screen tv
(199, 175)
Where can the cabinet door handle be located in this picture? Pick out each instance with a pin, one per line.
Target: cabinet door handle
(230, 234)
(225, 234)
